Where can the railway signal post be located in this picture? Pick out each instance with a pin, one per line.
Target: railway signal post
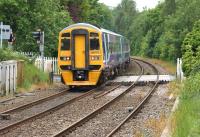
(39, 36)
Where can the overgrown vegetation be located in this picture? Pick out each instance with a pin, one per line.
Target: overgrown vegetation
(187, 120)
(159, 32)
(51, 16)
(191, 51)
(32, 75)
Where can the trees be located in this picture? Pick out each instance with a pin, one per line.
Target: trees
(89, 11)
(25, 16)
(124, 16)
(157, 32)
(191, 50)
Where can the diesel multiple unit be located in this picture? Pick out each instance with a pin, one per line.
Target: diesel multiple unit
(88, 55)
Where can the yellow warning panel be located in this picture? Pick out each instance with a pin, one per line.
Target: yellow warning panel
(79, 51)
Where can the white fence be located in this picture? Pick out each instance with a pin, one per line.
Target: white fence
(50, 64)
(8, 77)
(29, 54)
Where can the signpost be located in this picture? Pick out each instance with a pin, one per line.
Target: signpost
(5, 33)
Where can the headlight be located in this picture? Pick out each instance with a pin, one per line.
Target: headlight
(65, 58)
(93, 58)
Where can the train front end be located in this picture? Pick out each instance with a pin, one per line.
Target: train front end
(80, 55)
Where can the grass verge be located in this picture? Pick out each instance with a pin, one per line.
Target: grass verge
(32, 75)
(186, 120)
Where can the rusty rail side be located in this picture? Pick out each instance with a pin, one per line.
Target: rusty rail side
(97, 111)
(140, 105)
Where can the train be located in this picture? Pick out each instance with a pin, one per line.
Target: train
(89, 55)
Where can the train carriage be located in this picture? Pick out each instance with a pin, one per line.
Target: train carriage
(88, 55)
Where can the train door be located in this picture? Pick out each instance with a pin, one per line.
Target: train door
(79, 44)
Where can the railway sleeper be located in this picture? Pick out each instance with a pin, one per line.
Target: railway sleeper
(5, 116)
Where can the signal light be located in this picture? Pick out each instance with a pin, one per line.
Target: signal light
(36, 35)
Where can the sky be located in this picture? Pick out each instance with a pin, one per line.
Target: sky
(140, 3)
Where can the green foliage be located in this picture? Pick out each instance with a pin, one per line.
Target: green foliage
(191, 50)
(124, 16)
(35, 77)
(50, 16)
(26, 16)
(159, 32)
(90, 11)
(10, 55)
(187, 122)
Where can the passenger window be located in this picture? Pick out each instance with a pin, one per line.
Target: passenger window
(94, 44)
(66, 35)
(65, 44)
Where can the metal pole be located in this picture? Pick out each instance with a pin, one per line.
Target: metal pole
(1, 35)
(42, 50)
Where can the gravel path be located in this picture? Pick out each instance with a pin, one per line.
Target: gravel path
(102, 124)
(151, 121)
(51, 124)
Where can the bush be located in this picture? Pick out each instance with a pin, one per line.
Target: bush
(191, 50)
(33, 75)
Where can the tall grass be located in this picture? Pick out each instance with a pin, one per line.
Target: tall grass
(187, 117)
(33, 75)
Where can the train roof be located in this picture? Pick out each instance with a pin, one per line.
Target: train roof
(92, 26)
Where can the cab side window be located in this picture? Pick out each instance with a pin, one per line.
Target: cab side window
(94, 44)
(65, 44)
(94, 41)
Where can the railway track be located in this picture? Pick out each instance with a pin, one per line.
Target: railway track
(100, 109)
(23, 120)
(28, 105)
(93, 115)
(94, 96)
(107, 92)
(140, 105)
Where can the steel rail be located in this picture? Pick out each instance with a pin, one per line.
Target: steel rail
(13, 125)
(98, 110)
(139, 106)
(107, 92)
(22, 107)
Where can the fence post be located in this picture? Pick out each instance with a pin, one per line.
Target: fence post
(1, 80)
(181, 71)
(177, 68)
(20, 72)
